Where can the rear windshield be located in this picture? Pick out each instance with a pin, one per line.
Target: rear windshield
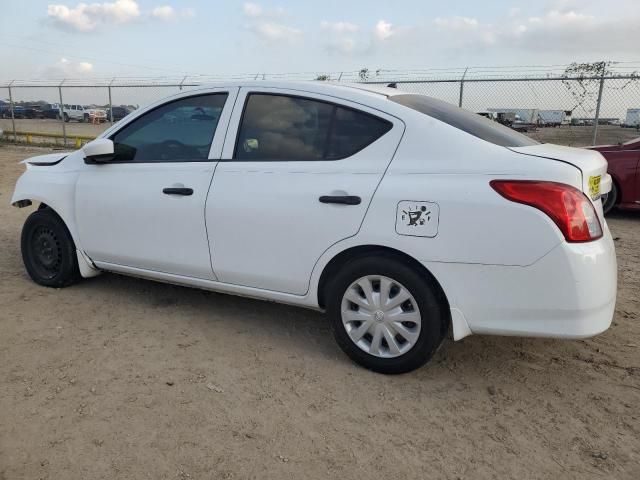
(464, 120)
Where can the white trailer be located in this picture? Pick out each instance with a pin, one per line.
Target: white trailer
(552, 118)
(633, 117)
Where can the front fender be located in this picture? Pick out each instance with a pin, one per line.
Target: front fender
(55, 189)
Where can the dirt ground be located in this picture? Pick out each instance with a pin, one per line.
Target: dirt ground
(120, 378)
(576, 136)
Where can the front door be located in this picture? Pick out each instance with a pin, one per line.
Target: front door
(296, 176)
(145, 209)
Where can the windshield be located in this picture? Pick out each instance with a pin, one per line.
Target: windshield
(469, 122)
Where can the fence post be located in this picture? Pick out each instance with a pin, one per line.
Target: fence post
(110, 104)
(13, 119)
(462, 87)
(598, 103)
(64, 127)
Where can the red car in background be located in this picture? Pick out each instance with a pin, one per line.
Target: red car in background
(624, 168)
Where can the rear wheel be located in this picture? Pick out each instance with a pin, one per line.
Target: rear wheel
(48, 251)
(610, 199)
(385, 316)
(66, 117)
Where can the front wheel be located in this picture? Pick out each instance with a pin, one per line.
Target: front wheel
(385, 315)
(48, 251)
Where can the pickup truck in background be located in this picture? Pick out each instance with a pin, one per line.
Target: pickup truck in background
(83, 114)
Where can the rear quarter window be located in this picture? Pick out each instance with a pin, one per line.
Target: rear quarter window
(468, 122)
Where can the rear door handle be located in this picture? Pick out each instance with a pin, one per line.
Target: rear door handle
(341, 199)
(177, 191)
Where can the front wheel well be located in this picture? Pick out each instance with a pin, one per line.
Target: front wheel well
(341, 259)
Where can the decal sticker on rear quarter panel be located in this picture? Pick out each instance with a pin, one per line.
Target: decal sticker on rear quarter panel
(417, 218)
(594, 187)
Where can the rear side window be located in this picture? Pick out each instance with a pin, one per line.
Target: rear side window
(464, 120)
(288, 128)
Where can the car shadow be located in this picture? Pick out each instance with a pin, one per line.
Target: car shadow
(290, 327)
(616, 213)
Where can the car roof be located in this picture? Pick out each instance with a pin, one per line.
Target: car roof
(322, 87)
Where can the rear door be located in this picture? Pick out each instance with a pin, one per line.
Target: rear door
(297, 174)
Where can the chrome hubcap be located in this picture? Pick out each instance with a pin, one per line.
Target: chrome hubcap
(381, 316)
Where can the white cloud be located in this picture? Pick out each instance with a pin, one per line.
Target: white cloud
(562, 28)
(275, 31)
(67, 68)
(252, 9)
(383, 30)
(164, 12)
(339, 27)
(266, 24)
(86, 17)
(167, 13)
(340, 37)
(456, 23)
(349, 39)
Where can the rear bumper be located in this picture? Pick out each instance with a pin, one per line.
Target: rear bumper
(569, 293)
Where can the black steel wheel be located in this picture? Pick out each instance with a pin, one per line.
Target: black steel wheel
(48, 251)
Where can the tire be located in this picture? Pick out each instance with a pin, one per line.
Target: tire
(422, 338)
(85, 118)
(610, 199)
(66, 118)
(48, 251)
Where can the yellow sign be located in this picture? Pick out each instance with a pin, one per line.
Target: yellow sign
(594, 187)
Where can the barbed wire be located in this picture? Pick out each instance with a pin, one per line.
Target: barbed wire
(630, 70)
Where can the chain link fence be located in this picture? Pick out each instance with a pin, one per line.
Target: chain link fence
(599, 105)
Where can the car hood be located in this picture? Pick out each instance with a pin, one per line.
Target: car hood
(45, 160)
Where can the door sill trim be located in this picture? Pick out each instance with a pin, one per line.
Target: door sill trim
(212, 285)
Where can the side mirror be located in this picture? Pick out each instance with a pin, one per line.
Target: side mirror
(98, 151)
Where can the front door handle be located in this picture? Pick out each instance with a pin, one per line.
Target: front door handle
(177, 191)
(341, 199)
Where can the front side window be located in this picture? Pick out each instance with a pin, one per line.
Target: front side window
(179, 131)
(288, 128)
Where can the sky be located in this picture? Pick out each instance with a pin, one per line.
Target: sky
(69, 39)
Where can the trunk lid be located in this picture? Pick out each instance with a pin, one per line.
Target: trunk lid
(593, 166)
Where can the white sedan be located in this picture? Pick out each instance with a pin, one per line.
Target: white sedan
(400, 215)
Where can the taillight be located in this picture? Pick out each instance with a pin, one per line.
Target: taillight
(568, 207)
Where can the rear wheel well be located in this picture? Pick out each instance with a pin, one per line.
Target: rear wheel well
(340, 260)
